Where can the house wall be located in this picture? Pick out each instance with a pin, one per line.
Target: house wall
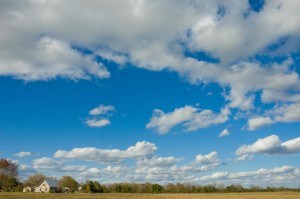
(44, 187)
(27, 189)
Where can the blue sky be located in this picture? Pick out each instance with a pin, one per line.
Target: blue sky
(202, 92)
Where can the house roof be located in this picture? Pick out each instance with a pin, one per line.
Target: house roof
(51, 183)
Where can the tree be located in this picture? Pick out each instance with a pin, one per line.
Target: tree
(8, 174)
(34, 180)
(68, 182)
(156, 188)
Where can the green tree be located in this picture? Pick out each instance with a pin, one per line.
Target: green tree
(68, 182)
(8, 175)
(97, 187)
(34, 180)
(156, 188)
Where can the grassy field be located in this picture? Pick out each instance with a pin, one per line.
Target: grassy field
(265, 195)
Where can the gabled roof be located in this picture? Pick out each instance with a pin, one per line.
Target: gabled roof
(51, 183)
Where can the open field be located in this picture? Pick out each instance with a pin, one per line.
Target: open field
(264, 195)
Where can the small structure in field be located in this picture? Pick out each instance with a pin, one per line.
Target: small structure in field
(47, 186)
(28, 189)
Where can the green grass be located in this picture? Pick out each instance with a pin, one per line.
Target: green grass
(261, 195)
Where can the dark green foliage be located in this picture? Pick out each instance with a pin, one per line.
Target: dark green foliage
(156, 188)
(92, 187)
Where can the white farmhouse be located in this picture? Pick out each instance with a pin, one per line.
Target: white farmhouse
(47, 186)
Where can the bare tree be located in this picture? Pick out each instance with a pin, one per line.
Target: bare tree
(34, 180)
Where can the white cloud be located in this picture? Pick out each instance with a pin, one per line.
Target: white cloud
(234, 35)
(55, 165)
(49, 58)
(165, 121)
(38, 38)
(275, 96)
(102, 110)
(192, 118)
(98, 114)
(287, 113)
(23, 154)
(210, 159)
(139, 150)
(109, 172)
(166, 169)
(261, 176)
(225, 132)
(245, 157)
(112, 56)
(97, 123)
(157, 162)
(258, 122)
(269, 145)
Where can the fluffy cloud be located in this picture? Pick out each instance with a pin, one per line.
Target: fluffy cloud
(259, 177)
(192, 118)
(106, 156)
(257, 122)
(98, 114)
(281, 113)
(102, 110)
(23, 154)
(270, 145)
(109, 173)
(287, 113)
(225, 132)
(210, 159)
(49, 58)
(166, 169)
(97, 123)
(157, 162)
(55, 165)
(165, 121)
(275, 96)
(39, 41)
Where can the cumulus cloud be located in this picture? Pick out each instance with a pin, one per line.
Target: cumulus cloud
(258, 122)
(285, 113)
(210, 159)
(110, 173)
(224, 133)
(167, 169)
(102, 110)
(163, 122)
(158, 162)
(190, 117)
(97, 123)
(106, 156)
(260, 177)
(98, 116)
(270, 145)
(23, 154)
(39, 41)
(49, 58)
(268, 96)
(55, 165)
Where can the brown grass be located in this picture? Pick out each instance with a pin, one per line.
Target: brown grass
(265, 195)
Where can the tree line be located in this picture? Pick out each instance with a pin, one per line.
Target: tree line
(9, 182)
